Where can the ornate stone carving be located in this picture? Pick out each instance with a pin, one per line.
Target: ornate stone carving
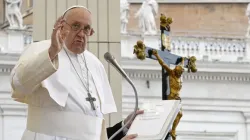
(248, 16)
(13, 14)
(28, 39)
(196, 77)
(1, 49)
(206, 49)
(5, 70)
(146, 16)
(210, 47)
(124, 12)
(247, 116)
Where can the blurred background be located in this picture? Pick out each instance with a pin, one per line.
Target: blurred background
(215, 100)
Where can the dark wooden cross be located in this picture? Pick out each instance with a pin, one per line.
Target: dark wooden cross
(169, 59)
(91, 101)
(167, 56)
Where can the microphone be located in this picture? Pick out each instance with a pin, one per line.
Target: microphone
(111, 59)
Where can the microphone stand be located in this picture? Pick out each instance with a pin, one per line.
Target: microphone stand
(116, 66)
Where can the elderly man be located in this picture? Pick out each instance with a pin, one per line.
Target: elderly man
(65, 86)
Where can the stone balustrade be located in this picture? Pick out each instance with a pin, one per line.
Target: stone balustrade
(205, 49)
(28, 39)
(14, 40)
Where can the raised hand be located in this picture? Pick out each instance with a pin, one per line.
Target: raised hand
(56, 39)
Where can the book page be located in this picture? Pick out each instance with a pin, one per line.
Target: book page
(150, 124)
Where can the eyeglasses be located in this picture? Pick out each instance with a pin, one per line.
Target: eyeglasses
(77, 27)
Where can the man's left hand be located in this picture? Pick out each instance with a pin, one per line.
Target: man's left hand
(129, 117)
(130, 137)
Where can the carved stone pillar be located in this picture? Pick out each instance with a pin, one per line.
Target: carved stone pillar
(12, 41)
(247, 116)
(15, 41)
(248, 48)
(1, 124)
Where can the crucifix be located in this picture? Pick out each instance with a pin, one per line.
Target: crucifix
(170, 91)
(91, 101)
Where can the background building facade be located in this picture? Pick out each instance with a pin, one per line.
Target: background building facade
(215, 99)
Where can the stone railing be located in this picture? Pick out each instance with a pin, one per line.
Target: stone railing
(205, 49)
(210, 48)
(14, 40)
(28, 39)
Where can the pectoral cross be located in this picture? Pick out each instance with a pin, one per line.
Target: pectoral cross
(91, 101)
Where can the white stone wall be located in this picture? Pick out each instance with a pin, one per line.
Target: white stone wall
(12, 114)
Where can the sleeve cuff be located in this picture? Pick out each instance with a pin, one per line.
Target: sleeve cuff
(32, 72)
(125, 130)
(53, 62)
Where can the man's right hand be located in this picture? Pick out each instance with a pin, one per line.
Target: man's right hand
(154, 52)
(130, 137)
(56, 39)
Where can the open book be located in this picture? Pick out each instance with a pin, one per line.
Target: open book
(156, 121)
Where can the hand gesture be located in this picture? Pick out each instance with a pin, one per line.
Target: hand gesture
(129, 137)
(56, 39)
(129, 117)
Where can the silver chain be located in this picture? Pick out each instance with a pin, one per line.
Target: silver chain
(79, 75)
(87, 88)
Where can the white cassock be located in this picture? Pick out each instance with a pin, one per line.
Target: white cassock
(56, 97)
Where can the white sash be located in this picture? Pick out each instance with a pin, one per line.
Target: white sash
(66, 124)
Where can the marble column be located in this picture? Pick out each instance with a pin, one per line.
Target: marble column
(247, 116)
(248, 48)
(15, 42)
(1, 124)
